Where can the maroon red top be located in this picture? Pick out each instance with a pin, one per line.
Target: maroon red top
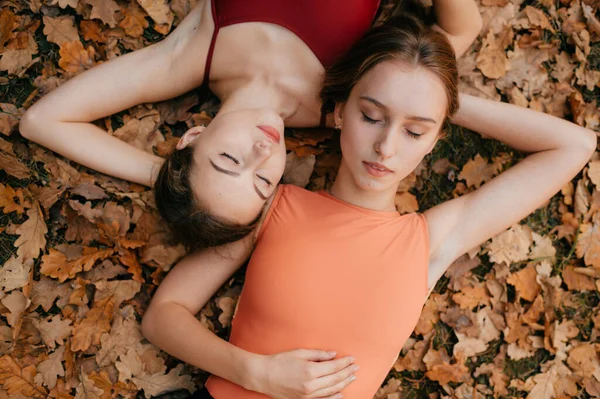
(328, 27)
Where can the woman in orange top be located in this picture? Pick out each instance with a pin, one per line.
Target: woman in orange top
(340, 270)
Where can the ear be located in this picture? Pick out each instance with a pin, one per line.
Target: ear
(189, 136)
(338, 113)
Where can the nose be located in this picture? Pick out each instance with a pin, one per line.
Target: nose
(261, 152)
(385, 146)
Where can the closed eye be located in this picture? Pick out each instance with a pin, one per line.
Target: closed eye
(265, 180)
(226, 155)
(413, 134)
(367, 119)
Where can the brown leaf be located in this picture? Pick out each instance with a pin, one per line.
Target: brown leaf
(8, 23)
(459, 269)
(54, 331)
(445, 373)
(104, 10)
(538, 18)
(87, 389)
(55, 264)
(96, 322)
(135, 21)
(15, 61)
(588, 242)
(32, 235)
(477, 171)
(17, 380)
(9, 118)
(7, 199)
(50, 369)
(61, 29)
(159, 11)
(158, 383)
(511, 245)
(60, 391)
(124, 334)
(13, 166)
(525, 283)
(74, 58)
(298, 169)
(15, 274)
(406, 203)
(577, 281)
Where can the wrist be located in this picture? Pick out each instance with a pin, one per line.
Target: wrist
(253, 372)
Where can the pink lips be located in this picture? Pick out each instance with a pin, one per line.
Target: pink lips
(376, 169)
(271, 133)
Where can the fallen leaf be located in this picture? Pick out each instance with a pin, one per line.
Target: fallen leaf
(104, 10)
(88, 331)
(32, 235)
(17, 380)
(525, 282)
(61, 29)
(50, 369)
(74, 58)
(14, 274)
(55, 264)
(54, 331)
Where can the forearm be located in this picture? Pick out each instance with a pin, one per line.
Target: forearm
(90, 146)
(520, 128)
(175, 330)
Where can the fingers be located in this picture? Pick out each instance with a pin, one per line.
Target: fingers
(332, 366)
(313, 355)
(332, 384)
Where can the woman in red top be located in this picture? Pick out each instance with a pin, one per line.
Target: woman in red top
(328, 266)
(265, 60)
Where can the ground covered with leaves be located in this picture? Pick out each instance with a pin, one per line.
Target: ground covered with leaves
(82, 253)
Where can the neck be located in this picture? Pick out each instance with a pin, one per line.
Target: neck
(346, 189)
(257, 94)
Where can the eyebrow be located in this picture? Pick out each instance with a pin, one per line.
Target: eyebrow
(235, 174)
(411, 117)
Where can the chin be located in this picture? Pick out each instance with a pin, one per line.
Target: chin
(368, 183)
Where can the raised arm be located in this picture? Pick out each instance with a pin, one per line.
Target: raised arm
(560, 150)
(169, 323)
(460, 21)
(60, 120)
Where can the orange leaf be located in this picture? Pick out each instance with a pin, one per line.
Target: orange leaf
(32, 235)
(129, 259)
(525, 283)
(55, 264)
(135, 21)
(74, 58)
(16, 380)
(96, 322)
(7, 199)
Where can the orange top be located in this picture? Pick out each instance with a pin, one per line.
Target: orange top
(332, 276)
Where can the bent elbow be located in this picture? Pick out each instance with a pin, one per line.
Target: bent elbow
(589, 143)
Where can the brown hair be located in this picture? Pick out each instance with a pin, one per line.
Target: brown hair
(189, 222)
(404, 36)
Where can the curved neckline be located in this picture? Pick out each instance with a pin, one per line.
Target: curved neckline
(366, 211)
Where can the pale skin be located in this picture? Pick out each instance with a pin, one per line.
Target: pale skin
(378, 126)
(255, 66)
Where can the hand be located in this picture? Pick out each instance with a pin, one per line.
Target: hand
(303, 374)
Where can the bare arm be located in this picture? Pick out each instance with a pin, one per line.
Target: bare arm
(460, 21)
(560, 150)
(170, 324)
(60, 120)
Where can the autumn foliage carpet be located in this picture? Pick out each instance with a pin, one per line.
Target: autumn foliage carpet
(82, 253)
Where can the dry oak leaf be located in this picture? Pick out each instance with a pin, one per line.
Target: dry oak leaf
(562, 333)
(577, 281)
(60, 391)
(46, 291)
(50, 369)
(459, 270)
(15, 61)
(12, 165)
(158, 383)
(16, 380)
(8, 23)
(406, 203)
(56, 265)
(104, 10)
(87, 389)
(124, 334)
(492, 62)
(95, 323)
(588, 242)
(16, 303)
(298, 169)
(583, 360)
(538, 18)
(544, 385)
(470, 297)
(61, 29)
(14, 274)
(119, 290)
(32, 235)
(53, 330)
(542, 248)
(594, 173)
(74, 58)
(7, 199)
(9, 118)
(445, 373)
(135, 20)
(511, 245)
(477, 171)
(159, 11)
(525, 282)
